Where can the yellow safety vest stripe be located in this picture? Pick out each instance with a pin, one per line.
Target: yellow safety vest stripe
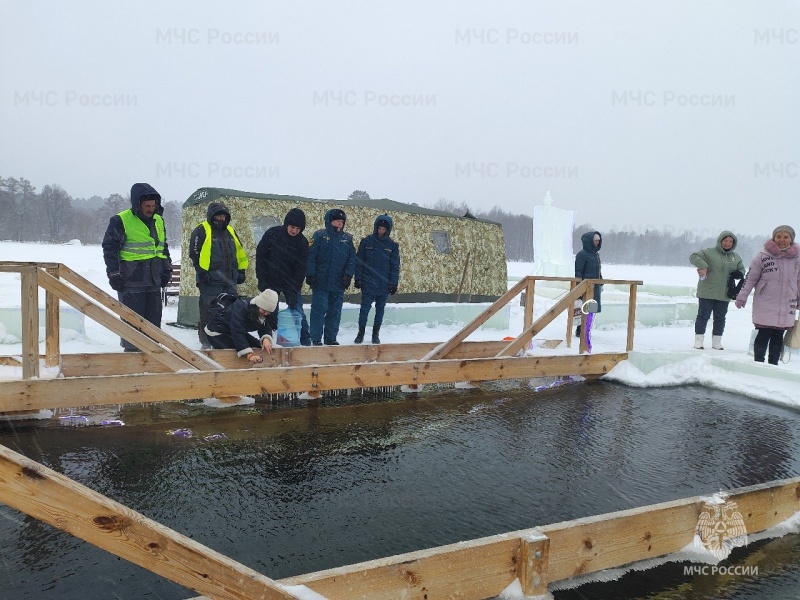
(205, 252)
(139, 245)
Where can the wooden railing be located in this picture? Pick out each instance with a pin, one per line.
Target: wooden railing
(583, 289)
(96, 304)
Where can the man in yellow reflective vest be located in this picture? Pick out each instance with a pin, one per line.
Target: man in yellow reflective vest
(220, 262)
(137, 256)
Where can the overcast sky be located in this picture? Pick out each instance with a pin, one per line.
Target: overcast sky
(672, 115)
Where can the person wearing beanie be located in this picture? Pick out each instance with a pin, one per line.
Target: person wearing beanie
(587, 264)
(220, 262)
(331, 264)
(230, 327)
(281, 260)
(377, 274)
(774, 274)
(715, 266)
(136, 254)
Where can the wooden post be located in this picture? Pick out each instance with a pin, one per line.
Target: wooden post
(534, 554)
(570, 318)
(631, 316)
(52, 356)
(527, 319)
(29, 313)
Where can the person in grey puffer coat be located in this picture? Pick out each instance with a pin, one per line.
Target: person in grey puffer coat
(775, 275)
(715, 267)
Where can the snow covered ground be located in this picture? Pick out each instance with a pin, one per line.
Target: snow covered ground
(662, 356)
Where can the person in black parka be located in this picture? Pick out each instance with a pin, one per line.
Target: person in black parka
(281, 262)
(587, 264)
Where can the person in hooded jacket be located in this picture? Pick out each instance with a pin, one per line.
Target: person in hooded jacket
(377, 274)
(281, 262)
(220, 262)
(230, 327)
(774, 274)
(715, 266)
(331, 264)
(136, 255)
(587, 264)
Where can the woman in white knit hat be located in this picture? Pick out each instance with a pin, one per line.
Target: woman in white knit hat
(230, 327)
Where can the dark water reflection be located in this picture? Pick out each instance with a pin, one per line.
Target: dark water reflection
(296, 489)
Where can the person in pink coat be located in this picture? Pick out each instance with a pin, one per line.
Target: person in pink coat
(775, 275)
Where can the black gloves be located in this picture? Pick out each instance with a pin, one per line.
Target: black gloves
(311, 280)
(291, 298)
(345, 280)
(240, 277)
(357, 284)
(166, 277)
(202, 276)
(116, 282)
(392, 289)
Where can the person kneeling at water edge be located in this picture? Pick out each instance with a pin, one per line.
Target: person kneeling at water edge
(230, 327)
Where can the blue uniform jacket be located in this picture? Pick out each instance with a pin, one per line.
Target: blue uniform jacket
(331, 257)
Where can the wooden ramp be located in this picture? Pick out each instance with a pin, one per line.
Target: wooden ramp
(168, 370)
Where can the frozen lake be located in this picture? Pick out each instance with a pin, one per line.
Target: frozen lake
(288, 489)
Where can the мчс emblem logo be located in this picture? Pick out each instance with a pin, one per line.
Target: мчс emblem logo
(720, 528)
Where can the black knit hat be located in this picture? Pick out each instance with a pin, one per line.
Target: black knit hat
(295, 217)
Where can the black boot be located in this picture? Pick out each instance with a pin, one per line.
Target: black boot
(360, 336)
(375, 338)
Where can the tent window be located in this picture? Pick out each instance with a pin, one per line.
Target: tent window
(262, 223)
(441, 242)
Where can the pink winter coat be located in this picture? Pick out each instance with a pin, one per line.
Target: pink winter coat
(775, 275)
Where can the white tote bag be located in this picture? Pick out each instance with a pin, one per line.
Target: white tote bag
(792, 337)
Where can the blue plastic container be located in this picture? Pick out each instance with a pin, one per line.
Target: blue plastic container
(289, 320)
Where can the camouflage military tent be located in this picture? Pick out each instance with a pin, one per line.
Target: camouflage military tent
(444, 258)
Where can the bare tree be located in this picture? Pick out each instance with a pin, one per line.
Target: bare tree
(57, 207)
(445, 205)
(24, 199)
(172, 222)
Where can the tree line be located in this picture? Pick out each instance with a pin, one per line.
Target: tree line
(53, 216)
(652, 247)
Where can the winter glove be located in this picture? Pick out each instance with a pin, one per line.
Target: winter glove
(116, 282)
(392, 289)
(357, 284)
(240, 278)
(202, 276)
(311, 280)
(166, 277)
(345, 280)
